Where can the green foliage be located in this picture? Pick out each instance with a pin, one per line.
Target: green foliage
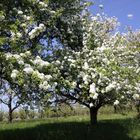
(22, 114)
(16, 115)
(32, 114)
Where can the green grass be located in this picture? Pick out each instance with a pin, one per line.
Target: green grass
(109, 127)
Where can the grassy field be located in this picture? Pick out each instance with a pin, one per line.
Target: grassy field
(110, 127)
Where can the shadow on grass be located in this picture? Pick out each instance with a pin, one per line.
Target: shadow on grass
(104, 130)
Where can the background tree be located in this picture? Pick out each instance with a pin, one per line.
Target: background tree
(10, 97)
(33, 25)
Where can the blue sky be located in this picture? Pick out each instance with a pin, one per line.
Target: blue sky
(120, 9)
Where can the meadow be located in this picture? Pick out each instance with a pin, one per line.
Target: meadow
(110, 127)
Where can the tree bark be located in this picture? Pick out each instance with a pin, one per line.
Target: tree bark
(93, 115)
(10, 118)
(138, 108)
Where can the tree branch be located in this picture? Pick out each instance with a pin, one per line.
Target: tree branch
(74, 98)
(3, 102)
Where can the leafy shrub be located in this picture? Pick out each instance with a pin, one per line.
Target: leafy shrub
(31, 114)
(22, 114)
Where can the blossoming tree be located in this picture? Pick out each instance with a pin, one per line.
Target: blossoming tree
(26, 25)
(105, 71)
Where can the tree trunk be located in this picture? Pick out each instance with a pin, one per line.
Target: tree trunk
(10, 118)
(138, 108)
(93, 115)
(115, 109)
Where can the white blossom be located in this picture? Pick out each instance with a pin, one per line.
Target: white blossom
(48, 77)
(136, 96)
(28, 17)
(92, 88)
(116, 102)
(2, 17)
(101, 49)
(21, 62)
(37, 30)
(8, 56)
(111, 86)
(74, 84)
(91, 105)
(45, 85)
(94, 96)
(41, 3)
(38, 61)
(14, 74)
(20, 12)
(12, 35)
(85, 78)
(41, 76)
(27, 53)
(28, 70)
(86, 66)
(52, 12)
(17, 57)
(122, 97)
(19, 35)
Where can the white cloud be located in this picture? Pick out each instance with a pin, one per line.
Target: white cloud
(130, 16)
(101, 6)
